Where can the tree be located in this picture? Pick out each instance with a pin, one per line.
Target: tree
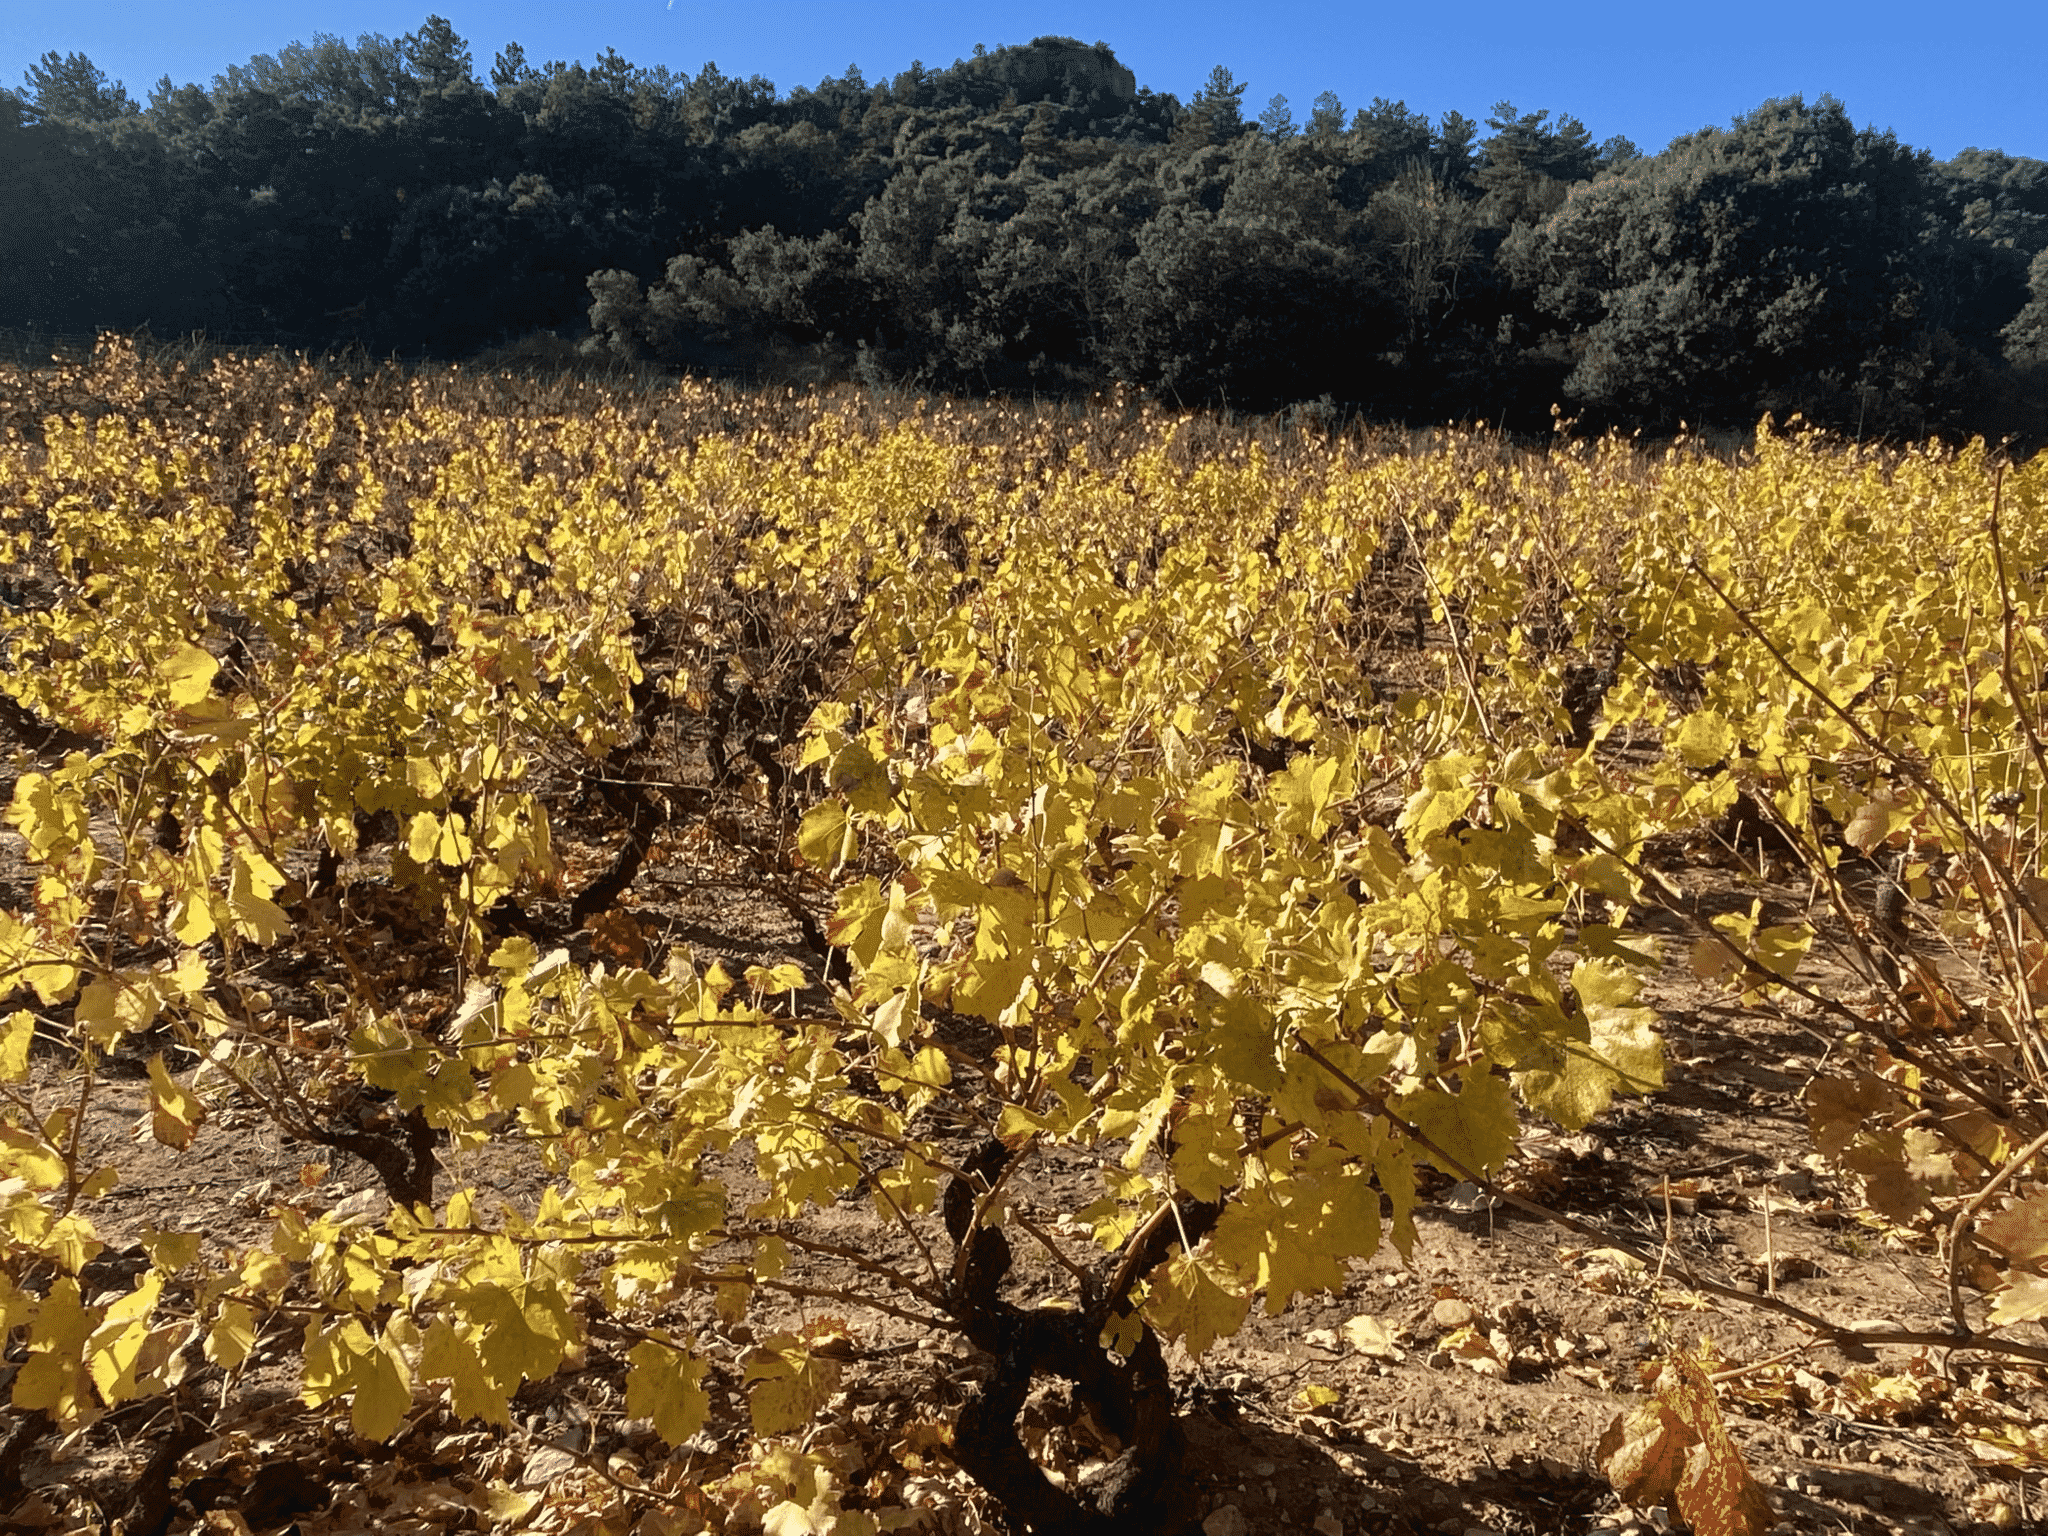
(71, 88)
(1217, 112)
(2026, 339)
(436, 58)
(1277, 121)
(510, 69)
(1384, 140)
(1452, 147)
(1765, 265)
(105, 227)
(342, 84)
(1618, 149)
(180, 109)
(1424, 237)
(1528, 163)
(1326, 117)
(1248, 284)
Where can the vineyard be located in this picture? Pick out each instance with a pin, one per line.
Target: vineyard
(719, 961)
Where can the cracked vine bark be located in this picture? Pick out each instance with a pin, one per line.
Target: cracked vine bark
(1132, 1397)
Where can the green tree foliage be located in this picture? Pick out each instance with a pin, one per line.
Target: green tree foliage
(1217, 112)
(1247, 281)
(130, 251)
(1030, 217)
(1772, 264)
(1425, 245)
(70, 88)
(1326, 117)
(1529, 162)
(510, 69)
(2026, 339)
(1618, 150)
(435, 58)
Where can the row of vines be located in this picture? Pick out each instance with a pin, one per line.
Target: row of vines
(1254, 823)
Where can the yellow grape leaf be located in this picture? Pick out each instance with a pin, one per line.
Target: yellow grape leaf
(31, 1161)
(1188, 1303)
(1481, 1353)
(175, 1112)
(53, 1378)
(116, 1344)
(1449, 786)
(422, 837)
(1303, 791)
(1675, 1451)
(266, 1271)
(256, 916)
(15, 1034)
(232, 1335)
(791, 1385)
(189, 977)
(188, 673)
(775, 980)
(1577, 1079)
(823, 836)
(1208, 1151)
(114, 1006)
(50, 815)
(454, 845)
(991, 983)
(2024, 1300)
(383, 1390)
(1476, 1126)
(424, 777)
(513, 1348)
(889, 1016)
(331, 1345)
(504, 1505)
(71, 1242)
(446, 1355)
(1779, 949)
(171, 1251)
(1705, 739)
(666, 1385)
(929, 1068)
(1393, 1166)
(192, 922)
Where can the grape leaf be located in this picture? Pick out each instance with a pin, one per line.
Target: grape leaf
(188, 674)
(1474, 1126)
(665, 1384)
(175, 1112)
(1675, 1451)
(16, 1031)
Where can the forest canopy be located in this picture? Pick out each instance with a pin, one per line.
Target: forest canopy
(1032, 218)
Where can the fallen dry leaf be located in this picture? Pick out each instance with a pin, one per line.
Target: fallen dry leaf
(1674, 1451)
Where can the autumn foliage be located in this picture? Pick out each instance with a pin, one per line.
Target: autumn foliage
(1259, 822)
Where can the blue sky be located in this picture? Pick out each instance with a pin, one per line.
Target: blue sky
(1942, 78)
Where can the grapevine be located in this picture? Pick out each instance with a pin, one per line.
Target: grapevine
(1131, 832)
